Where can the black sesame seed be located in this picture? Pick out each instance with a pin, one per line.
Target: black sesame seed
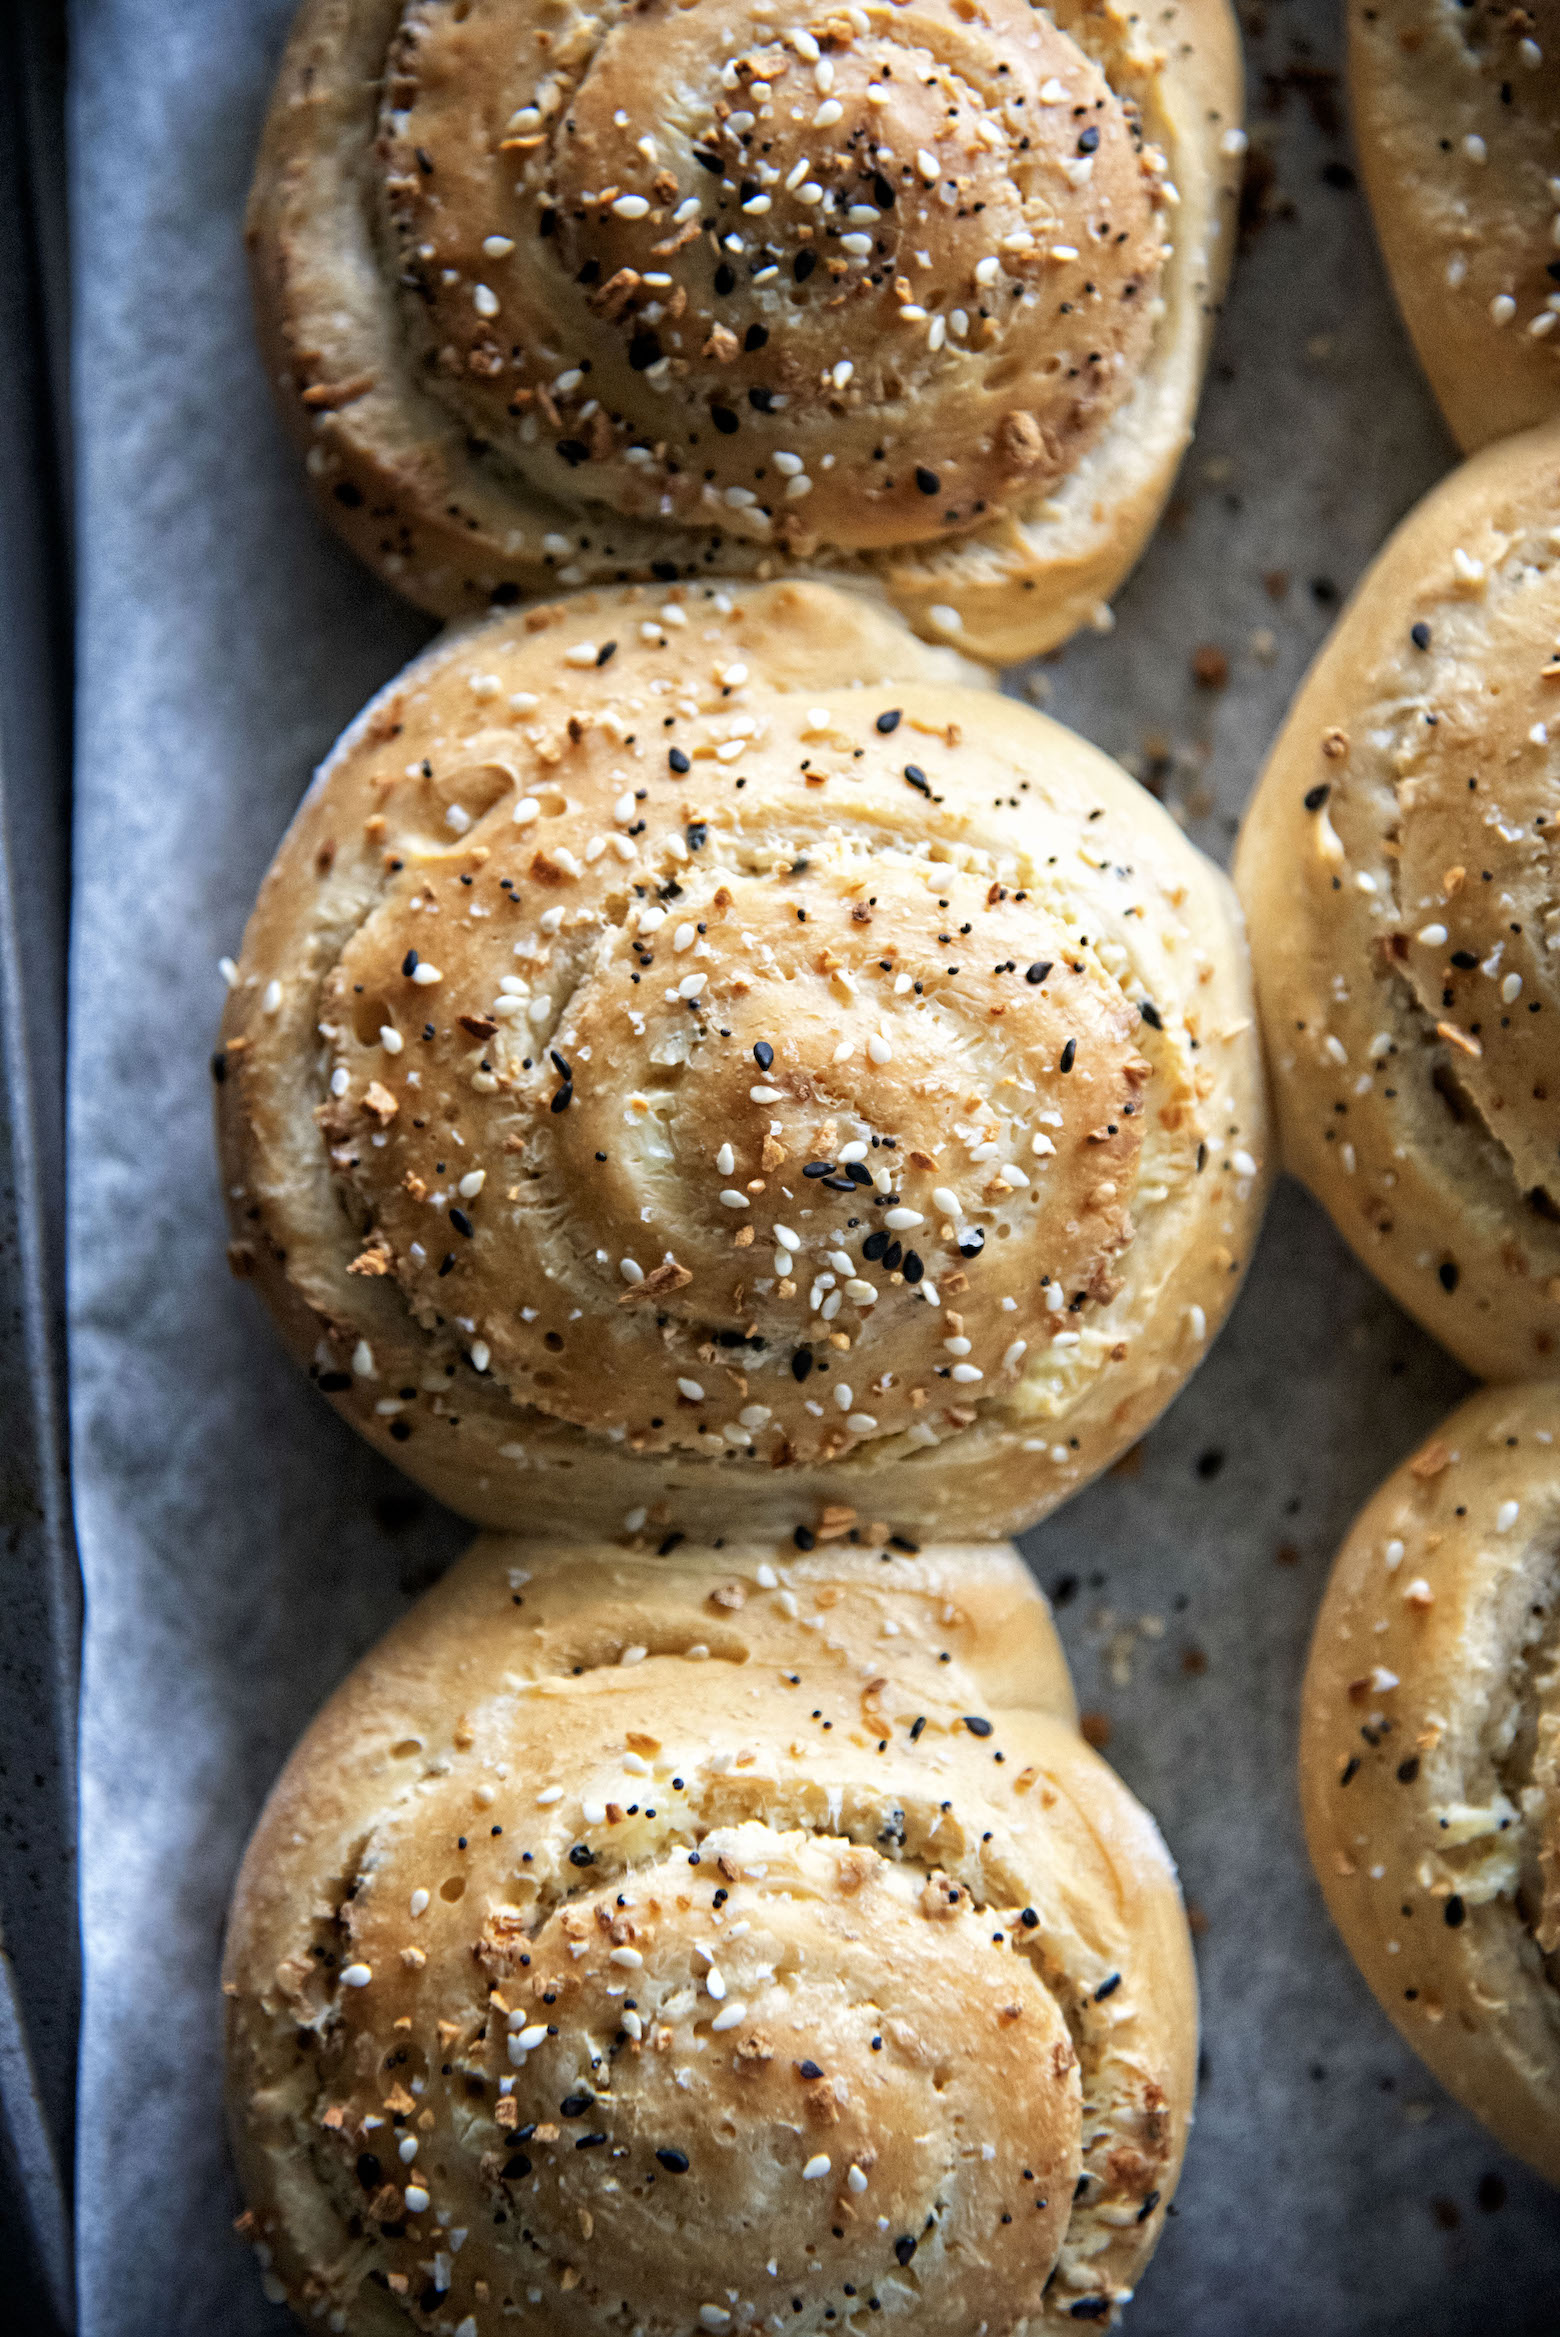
(1038, 971)
(808, 2070)
(918, 779)
(1107, 1988)
(819, 1168)
(462, 1223)
(763, 1054)
(803, 265)
(928, 481)
(805, 1538)
(1408, 1770)
(643, 350)
(1351, 1769)
(1455, 1913)
(582, 1855)
(725, 421)
(888, 721)
(369, 2172)
(1419, 635)
(914, 1267)
(801, 1363)
(976, 1726)
(409, 964)
(971, 1242)
(755, 337)
(1449, 1274)
(1088, 140)
(606, 653)
(674, 2161)
(516, 2166)
(874, 1246)
(1316, 796)
(904, 2248)
(1069, 1056)
(334, 1383)
(678, 760)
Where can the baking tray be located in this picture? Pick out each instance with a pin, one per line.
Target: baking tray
(39, 1977)
(241, 1547)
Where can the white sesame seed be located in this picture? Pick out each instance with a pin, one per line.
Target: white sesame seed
(1419, 1593)
(926, 164)
(959, 1346)
(356, 1976)
(691, 1389)
(730, 2016)
(1506, 1516)
(406, 2149)
(937, 332)
(861, 1423)
(627, 1959)
(859, 246)
(631, 206)
(856, 2179)
(391, 1040)
(548, 1795)
(900, 1220)
(797, 488)
(815, 2168)
(1431, 935)
(944, 614)
(988, 270)
(631, 1270)
(863, 1293)
(416, 2199)
(1015, 1355)
(965, 1373)
(691, 985)
(714, 1982)
(1243, 1164)
(788, 465)
(1511, 989)
(809, 192)
(419, 1903)
(481, 1354)
(568, 381)
(1475, 148)
(363, 1360)
(830, 112)
(484, 301)
(471, 1184)
(843, 372)
(732, 1199)
(714, 2317)
(498, 247)
(849, 1152)
(526, 810)
(880, 1050)
(1502, 309)
(633, 1655)
(582, 653)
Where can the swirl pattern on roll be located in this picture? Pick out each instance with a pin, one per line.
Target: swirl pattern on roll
(1430, 1758)
(563, 294)
(699, 1944)
(722, 1075)
(1398, 870)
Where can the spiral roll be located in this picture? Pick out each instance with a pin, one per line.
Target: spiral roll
(1430, 1759)
(726, 1942)
(670, 1078)
(1397, 868)
(919, 290)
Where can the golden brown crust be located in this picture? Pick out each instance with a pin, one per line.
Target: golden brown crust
(1430, 1725)
(799, 1102)
(519, 352)
(1454, 112)
(663, 1930)
(1397, 873)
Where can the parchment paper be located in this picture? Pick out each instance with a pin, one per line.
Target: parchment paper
(241, 1548)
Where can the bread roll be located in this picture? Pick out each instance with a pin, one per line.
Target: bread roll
(1430, 1759)
(721, 1942)
(692, 1065)
(1396, 872)
(1454, 120)
(920, 294)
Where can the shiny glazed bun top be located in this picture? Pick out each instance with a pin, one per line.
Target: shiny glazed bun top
(849, 277)
(739, 1069)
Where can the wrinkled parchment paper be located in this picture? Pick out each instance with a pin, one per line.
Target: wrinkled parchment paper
(241, 1548)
